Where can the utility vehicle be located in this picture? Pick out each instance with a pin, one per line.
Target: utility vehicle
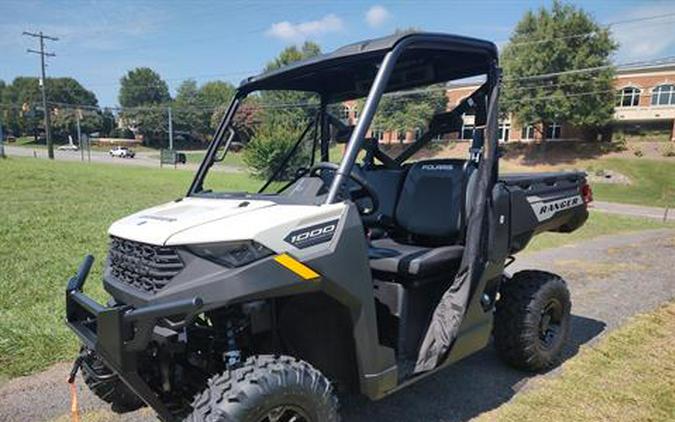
(362, 276)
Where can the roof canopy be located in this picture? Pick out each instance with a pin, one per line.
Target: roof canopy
(348, 72)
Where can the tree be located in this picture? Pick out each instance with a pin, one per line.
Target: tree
(62, 93)
(291, 114)
(247, 119)
(147, 95)
(564, 38)
(274, 129)
(141, 87)
(64, 122)
(107, 122)
(408, 112)
(271, 145)
(195, 106)
(189, 115)
(216, 93)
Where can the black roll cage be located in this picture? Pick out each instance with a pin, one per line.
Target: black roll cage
(440, 123)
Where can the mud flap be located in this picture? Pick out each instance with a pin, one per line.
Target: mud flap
(450, 311)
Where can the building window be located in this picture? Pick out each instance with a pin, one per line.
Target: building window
(663, 95)
(344, 112)
(355, 110)
(628, 97)
(401, 136)
(553, 131)
(378, 134)
(418, 133)
(527, 132)
(467, 131)
(504, 130)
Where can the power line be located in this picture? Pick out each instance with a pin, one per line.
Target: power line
(43, 83)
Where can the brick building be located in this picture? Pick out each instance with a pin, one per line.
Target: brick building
(645, 105)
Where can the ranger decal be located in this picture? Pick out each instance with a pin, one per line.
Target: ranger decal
(547, 209)
(312, 235)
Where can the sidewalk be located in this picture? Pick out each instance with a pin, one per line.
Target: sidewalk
(634, 210)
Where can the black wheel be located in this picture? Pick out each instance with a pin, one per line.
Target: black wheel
(532, 321)
(267, 389)
(107, 386)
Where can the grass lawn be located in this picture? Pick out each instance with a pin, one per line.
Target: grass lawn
(653, 182)
(53, 213)
(628, 376)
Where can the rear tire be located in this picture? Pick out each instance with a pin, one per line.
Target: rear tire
(532, 321)
(267, 388)
(107, 385)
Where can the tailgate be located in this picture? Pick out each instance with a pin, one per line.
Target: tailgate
(544, 202)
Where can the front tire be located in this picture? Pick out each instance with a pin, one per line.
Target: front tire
(532, 321)
(107, 386)
(267, 388)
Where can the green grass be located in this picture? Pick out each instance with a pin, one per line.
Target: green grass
(653, 182)
(628, 376)
(598, 224)
(52, 214)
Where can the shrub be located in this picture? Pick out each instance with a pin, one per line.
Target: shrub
(638, 152)
(621, 144)
(269, 146)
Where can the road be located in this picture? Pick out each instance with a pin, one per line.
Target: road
(142, 158)
(611, 278)
(656, 213)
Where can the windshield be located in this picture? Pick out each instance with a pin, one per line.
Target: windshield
(272, 138)
(275, 137)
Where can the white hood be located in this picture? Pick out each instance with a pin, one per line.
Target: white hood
(156, 225)
(202, 220)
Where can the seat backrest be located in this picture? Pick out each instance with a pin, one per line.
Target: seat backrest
(431, 203)
(387, 183)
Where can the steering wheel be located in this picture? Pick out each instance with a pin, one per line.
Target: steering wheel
(365, 190)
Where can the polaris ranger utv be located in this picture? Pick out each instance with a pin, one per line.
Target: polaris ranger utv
(362, 276)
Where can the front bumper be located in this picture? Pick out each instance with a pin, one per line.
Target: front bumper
(118, 333)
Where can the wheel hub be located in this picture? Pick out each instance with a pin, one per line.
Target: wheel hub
(549, 324)
(286, 413)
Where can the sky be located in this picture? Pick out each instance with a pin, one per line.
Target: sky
(99, 41)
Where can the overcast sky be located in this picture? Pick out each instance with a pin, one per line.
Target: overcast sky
(205, 40)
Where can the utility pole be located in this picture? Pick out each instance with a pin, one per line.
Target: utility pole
(2, 142)
(170, 131)
(78, 114)
(43, 84)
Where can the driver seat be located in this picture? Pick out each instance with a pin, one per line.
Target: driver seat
(430, 210)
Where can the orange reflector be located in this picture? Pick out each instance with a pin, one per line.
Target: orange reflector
(296, 266)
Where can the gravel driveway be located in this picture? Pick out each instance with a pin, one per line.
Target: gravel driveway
(611, 278)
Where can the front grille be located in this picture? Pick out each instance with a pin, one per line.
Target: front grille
(146, 267)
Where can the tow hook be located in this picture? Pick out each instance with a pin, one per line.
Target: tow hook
(76, 367)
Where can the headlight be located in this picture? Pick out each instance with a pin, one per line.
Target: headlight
(231, 254)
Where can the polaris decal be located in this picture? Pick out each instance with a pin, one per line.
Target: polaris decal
(547, 209)
(437, 167)
(312, 235)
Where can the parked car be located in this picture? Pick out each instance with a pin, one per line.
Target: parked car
(122, 152)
